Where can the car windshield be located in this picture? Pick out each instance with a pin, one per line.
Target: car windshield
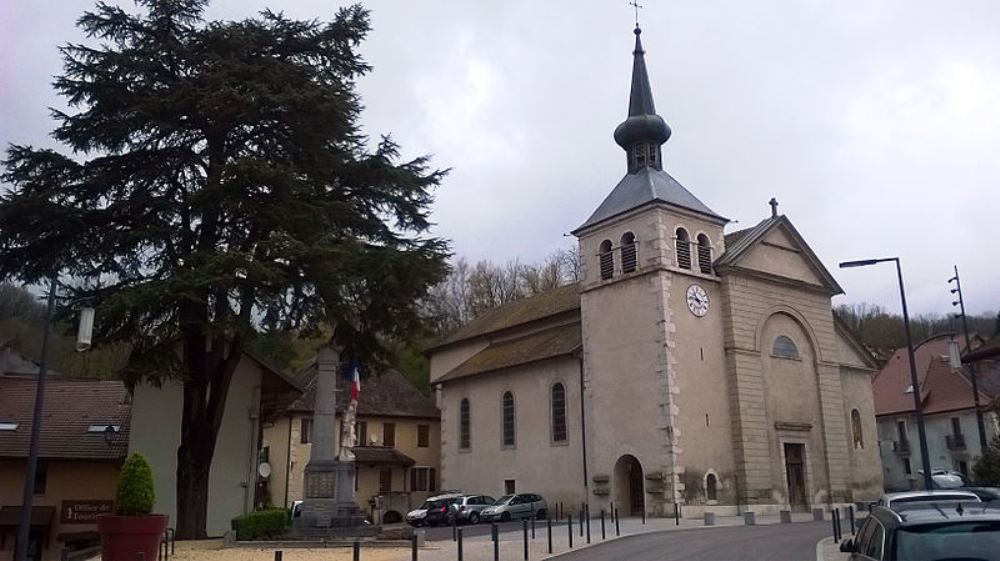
(503, 500)
(969, 541)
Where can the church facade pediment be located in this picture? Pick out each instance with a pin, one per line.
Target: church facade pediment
(775, 249)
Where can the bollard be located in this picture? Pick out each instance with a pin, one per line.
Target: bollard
(850, 513)
(278, 554)
(580, 518)
(569, 524)
(524, 528)
(460, 544)
(496, 543)
(644, 515)
(677, 514)
(603, 534)
(357, 551)
(413, 547)
(548, 527)
(588, 523)
(618, 530)
(533, 516)
(710, 519)
(836, 525)
(173, 539)
(454, 528)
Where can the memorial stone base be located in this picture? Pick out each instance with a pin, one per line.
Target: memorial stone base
(328, 509)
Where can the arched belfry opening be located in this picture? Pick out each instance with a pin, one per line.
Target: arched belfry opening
(629, 481)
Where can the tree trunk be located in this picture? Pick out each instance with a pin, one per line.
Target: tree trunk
(194, 461)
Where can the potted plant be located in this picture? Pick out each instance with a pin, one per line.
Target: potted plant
(132, 529)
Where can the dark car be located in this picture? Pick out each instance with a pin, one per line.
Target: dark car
(432, 512)
(966, 531)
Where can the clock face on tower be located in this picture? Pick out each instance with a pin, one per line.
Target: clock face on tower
(697, 300)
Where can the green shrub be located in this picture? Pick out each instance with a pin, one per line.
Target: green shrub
(135, 494)
(261, 525)
(987, 469)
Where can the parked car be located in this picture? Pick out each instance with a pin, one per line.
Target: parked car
(522, 505)
(469, 508)
(432, 512)
(985, 494)
(891, 500)
(930, 531)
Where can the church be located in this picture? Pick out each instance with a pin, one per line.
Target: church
(688, 367)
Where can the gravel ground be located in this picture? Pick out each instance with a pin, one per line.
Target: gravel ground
(211, 550)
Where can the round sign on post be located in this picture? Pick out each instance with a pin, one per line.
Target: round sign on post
(264, 470)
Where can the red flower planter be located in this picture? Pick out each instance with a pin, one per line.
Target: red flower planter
(123, 538)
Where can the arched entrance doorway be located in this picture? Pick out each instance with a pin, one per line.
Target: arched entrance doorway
(629, 493)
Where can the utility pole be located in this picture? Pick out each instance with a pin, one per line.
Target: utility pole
(981, 425)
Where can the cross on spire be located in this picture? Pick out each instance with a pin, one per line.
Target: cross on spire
(636, 5)
(774, 206)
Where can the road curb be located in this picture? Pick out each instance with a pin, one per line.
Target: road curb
(819, 548)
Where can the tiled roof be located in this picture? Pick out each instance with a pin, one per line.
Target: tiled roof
(549, 303)
(941, 387)
(545, 344)
(71, 406)
(380, 455)
(385, 395)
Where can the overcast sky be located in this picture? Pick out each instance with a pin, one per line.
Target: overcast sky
(875, 124)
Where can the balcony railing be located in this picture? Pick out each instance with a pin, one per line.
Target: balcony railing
(955, 441)
(901, 447)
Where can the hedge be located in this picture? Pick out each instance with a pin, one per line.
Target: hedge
(260, 525)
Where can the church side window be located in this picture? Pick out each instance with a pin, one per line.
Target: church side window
(712, 487)
(704, 254)
(508, 420)
(629, 256)
(683, 244)
(784, 347)
(607, 260)
(859, 437)
(559, 413)
(464, 426)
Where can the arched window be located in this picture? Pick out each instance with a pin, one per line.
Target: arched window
(508, 419)
(784, 347)
(712, 487)
(704, 254)
(607, 260)
(464, 426)
(559, 413)
(629, 258)
(859, 438)
(683, 244)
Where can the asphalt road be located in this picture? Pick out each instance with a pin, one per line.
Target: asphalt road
(780, 542)
(483, 529)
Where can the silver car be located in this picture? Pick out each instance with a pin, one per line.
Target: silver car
(509, 507)
(469, 508)
(890, 500)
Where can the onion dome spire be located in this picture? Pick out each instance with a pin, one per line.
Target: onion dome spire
(643, 132)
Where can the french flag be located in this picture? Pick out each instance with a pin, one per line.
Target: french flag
(354, 375)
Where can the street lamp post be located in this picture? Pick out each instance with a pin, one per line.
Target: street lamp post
(981, 425)
(915, 384)
(24, 524)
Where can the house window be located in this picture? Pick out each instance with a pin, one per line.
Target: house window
(907, 468)
(385, 480)
(41, 475)
(629, 257)
(956, 426)
(389, 434)
(704, 254)
(859, 439)
(683, 245)
(508, 420)
(362, 433)
(305, 431)
(464, 426)
(712, 487)
(901, 431)
(423, 479)
(423, 436)
(607, 260)
(784, 347)
(509, 487)
(559, 413)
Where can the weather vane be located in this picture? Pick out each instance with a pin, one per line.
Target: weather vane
(635, 5)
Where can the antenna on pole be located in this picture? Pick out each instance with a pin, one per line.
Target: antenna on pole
(635, 5)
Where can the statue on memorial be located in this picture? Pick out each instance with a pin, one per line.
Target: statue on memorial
(348, 431)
